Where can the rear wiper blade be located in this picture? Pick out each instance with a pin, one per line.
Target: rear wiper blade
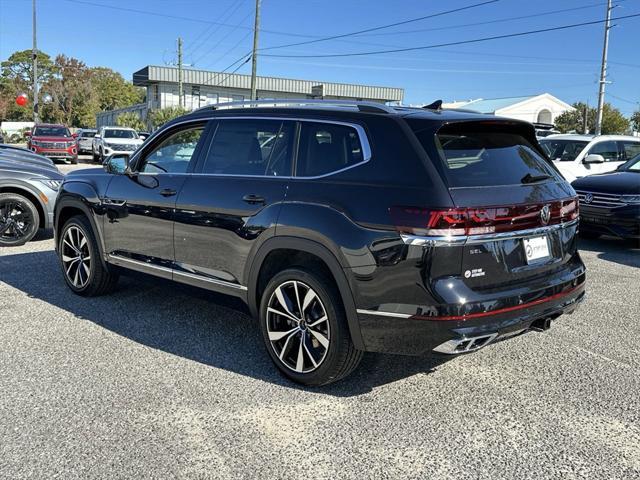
(528, 178)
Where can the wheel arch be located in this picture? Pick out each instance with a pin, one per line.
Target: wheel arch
(320, 252)
(33, 198)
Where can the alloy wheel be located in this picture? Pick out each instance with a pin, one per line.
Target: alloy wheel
(76, 257)
(298, 326)
(15, 220)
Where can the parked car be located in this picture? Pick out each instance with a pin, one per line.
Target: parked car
(24, 155)
(85, 140)
(28, 191)
(579, 155)
(115, 140)
(358, 227)
(610, 202)
(53, 141)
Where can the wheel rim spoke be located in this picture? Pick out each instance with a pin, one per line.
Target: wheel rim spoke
(75, 256)
(310, 329)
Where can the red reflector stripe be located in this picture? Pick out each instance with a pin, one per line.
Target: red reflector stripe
(502, 310)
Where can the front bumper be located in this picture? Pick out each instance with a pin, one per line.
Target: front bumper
(623, 222)
(503, 317)
(70, 153)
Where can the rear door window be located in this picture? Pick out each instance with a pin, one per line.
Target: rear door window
(326, 148)
(487, 158)
(629, 149)
(563, 150)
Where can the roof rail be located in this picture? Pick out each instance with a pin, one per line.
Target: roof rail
(362, 106)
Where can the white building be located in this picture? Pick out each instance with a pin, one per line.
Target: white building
(201, 87)
(544, 108)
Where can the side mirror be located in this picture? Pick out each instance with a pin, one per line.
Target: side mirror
(593, 158)
(116, 164)
(74, 135)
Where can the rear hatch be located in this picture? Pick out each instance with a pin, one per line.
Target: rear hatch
(511, 204)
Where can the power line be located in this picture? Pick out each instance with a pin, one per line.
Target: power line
(223, 38)
(489, 22)
(226, 15)
(448, 44)
(404, 22)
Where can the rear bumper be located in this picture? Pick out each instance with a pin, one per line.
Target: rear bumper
(499, 318)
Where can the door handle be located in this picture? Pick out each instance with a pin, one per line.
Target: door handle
(168, 192)
(252, 199)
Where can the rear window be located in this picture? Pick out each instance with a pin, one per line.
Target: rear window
(486, 157)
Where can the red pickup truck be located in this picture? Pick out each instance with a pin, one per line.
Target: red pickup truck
(53, 141)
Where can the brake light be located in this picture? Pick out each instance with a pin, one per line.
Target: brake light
(482, 220)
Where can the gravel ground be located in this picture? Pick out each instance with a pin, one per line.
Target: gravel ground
(162, 381)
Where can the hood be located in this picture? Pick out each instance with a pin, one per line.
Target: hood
(28, 158)
(617, 183)
(40, 138)
(122, 141)
(7, 167)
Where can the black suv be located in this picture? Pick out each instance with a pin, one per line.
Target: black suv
(344, 227)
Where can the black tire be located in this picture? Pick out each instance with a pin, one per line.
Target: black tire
(100, 279)
(589, 235)
(93, 154)
(19, 225)
(74, 160)
(339, 359)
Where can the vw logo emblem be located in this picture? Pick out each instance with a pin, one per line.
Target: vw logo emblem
(588, 198)
(545, 214)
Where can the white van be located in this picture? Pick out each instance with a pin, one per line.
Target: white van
(581, 155)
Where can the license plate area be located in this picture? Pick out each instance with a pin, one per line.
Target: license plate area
(536, 249)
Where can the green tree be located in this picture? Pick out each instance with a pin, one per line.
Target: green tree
(161, 116)
(635, 121)
(613, 122)
(16, 78)
(112, 90)
(131, 120)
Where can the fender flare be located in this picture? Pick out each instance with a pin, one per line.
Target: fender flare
(319, 250)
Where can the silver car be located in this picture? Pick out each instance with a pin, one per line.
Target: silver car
(29, 186)
(85, 140)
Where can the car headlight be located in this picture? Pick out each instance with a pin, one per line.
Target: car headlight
(631, 199)
(52, 184)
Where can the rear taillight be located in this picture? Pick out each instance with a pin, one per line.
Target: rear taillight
(482, 220)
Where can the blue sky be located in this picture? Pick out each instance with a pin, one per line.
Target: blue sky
(564, 63)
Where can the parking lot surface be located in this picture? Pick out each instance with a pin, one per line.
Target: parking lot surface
(159, 380)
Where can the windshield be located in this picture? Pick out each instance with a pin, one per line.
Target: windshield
(632, 165)
(87, 133)
(119, 133)
(51, 132)
(563, 150)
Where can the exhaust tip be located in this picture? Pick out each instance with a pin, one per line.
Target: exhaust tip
(541, 325)
(465, 345)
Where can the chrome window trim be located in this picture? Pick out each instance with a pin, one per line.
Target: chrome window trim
(362, 136)
(435, 241)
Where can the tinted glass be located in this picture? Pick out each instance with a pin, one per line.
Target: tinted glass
(251, 147)
(633, 165)
(563, 150)
(630, 149)
(609, 150)
(326, 148)
(474, 159)
(86, 134)
(51, 132)
(113, 133)
(174, 153)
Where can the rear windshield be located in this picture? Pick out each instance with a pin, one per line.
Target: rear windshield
(563, 150)
(482, 156)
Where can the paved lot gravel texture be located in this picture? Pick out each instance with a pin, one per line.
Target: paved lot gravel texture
(165, 381)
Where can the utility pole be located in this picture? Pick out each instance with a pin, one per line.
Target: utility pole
(603, 69)
(254, 55)
(585, 124)
(35, 66)
(180, 86)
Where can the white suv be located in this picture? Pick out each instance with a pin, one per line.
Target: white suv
(118, 140)
(581, 155)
